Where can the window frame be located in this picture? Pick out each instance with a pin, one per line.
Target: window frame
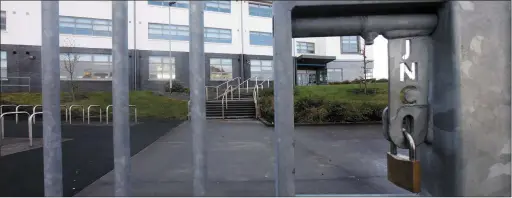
(92, 60)
(3, 20)
(307, 45)
(164, 64)
(218, 6)
(255, 38)
(261, 66)
(260, 10)
(218, 31)
(329, 77)
(358, 47)
(178, 4)
(94, 26)
(222, 66)
(3, 70)
(174, 32)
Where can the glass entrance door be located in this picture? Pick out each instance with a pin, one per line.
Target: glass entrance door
(306, 77)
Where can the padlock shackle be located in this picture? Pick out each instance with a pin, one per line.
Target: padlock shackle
(412, 146)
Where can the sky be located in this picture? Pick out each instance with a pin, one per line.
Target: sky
(380, 57)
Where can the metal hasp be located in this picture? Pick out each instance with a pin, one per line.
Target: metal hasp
(197, 96)
(50, 74)
(120, 98)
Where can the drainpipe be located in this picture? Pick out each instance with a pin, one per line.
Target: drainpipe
(135, 54)
(242, 61)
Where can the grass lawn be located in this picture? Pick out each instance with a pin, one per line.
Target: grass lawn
(331, 103)
(343, 92)
(148, 105)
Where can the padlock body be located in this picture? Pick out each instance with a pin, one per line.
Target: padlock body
(404, 173)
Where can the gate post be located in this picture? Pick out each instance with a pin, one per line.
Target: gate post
(52, 150)
(120, 98)
(197, 96)
(470, 100)
(283, 99)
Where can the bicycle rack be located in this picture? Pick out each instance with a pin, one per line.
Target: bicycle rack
(31, 121)
(135, 111)
(19, 107)
(89, 113)
(65, 112)
(2, 106)
(2, 120)
(83, 112)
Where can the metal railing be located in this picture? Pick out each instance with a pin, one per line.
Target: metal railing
(17, 85)
(225, 98)
(135, 111)
(9, 113)
(226, 83)
(16, 110)
(83, 112)
(2, 106)
(89, 113)
(31, 121)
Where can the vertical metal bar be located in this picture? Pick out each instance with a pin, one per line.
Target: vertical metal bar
(170, 47)
(283, 97)
(120, 98)
(52, 150)
(135, 53)
(197, 96)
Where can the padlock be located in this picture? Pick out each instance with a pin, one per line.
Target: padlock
(404, 171)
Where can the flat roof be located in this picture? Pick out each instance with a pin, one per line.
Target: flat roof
(315, 59)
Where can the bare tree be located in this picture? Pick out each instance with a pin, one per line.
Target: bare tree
(70, 60)
(364, 78)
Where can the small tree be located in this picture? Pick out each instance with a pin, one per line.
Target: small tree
(364, 78)
(70, 60)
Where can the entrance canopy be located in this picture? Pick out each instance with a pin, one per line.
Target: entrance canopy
(314, 60)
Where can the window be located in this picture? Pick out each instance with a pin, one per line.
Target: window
(261, 10)
(159, 68)
(86, 66)
(349, 44)
(161, 31)
(3, 20)
(261, 69)
(335, 75)
(218, 6)
(217, 35)
(85, 26)
(260, 38)
(305, 47)
(3, 65)
(221, 69)
(178, 4)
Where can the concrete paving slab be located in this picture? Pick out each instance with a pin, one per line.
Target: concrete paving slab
(240, 159)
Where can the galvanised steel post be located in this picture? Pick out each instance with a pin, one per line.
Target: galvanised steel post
(197, 95)
(283, 97)
(52, 150)
(120, 98)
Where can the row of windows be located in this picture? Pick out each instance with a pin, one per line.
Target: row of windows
(261, 10)
(99, 67)
(215, 6)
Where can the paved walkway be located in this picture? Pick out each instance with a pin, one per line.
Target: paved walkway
(329, 160)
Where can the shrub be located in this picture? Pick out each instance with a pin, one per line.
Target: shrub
(177, 86)
(382, 80)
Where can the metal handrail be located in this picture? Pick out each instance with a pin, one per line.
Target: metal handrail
(255, 98)
(89, 113)
(83, 112)
(224, 97)
(218, 86)
(2, 106)
(247, 81)
(2, 120)
(31, 121)
(135, 111)
(16, 110)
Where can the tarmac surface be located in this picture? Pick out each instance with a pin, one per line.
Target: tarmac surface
(87, 154)
(348, 159)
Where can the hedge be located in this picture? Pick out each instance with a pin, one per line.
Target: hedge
(325, 110)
